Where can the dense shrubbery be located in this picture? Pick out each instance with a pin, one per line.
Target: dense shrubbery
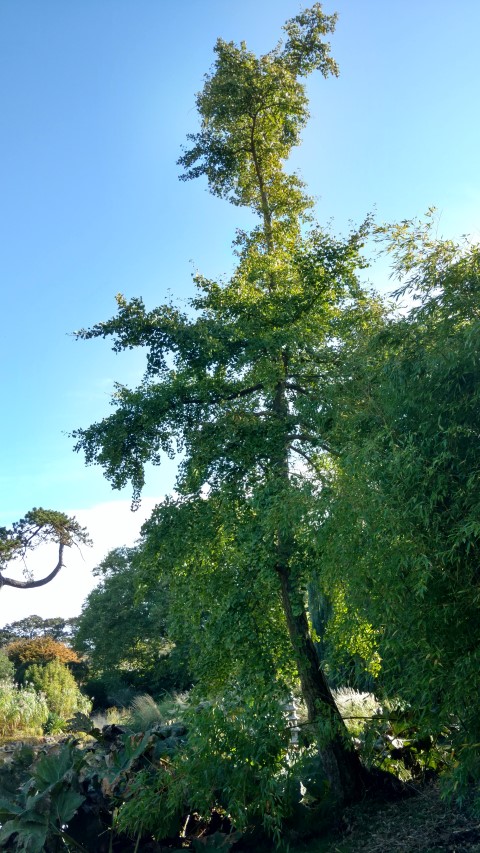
(122, 632)
(228, 772)
(163, 784)
(245, 772)
(38, 690)
(399, 531)
(39, 650)
(59, 687)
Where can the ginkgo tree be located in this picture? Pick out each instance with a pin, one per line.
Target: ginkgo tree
(236, 382)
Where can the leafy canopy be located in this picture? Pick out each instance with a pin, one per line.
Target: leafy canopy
(401, 531)
(260, 100)
(34, 626)
(36, 528)
(123, 627)
(239, 381)
(213, 371)
(39, 650)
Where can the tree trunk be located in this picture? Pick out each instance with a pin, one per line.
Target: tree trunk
(340, 761)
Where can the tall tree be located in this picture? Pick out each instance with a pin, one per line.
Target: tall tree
(38, 527)
(238, 385)
(123, 632)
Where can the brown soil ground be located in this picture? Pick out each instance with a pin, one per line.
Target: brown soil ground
(423, 823)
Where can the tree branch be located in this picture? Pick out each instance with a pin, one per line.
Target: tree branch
(42, 581)
(267, 216)
(312, 439)
(244, 392)
(292, 386)
(310, 462)
(236, 395)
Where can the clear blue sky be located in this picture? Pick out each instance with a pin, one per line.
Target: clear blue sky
(96, 99)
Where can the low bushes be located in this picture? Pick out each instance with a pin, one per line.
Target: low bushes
(7, 668)
(47, 697)
(61, 691)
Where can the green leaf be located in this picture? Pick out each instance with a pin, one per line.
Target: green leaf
(30, 831)
(51, 768)
(65, 804)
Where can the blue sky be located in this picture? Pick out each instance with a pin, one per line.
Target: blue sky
(97, 97)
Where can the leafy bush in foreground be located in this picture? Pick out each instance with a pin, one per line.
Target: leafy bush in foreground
(235, 763)
(35, 821)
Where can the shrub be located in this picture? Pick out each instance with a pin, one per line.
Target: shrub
(22, 709)
(98, 692)
(235, 762)
(7, 668)
(109, 690)
(144, 713)
(36, 814)
(40, 650)
(110, 717)
(55, 725)
(356, 708)
(62, 693)
(173, 706)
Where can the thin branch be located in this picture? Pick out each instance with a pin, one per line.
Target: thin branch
(312, 439)
(244, 392)
(236, 395)
(310, 462)
(292, 386)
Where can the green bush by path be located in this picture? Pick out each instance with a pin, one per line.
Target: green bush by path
(61, 691)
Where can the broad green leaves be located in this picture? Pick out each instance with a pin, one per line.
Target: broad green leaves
(45, 804)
